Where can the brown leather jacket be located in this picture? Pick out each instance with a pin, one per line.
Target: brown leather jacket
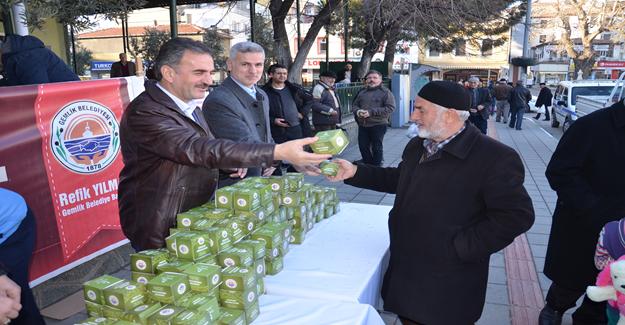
(170, 165)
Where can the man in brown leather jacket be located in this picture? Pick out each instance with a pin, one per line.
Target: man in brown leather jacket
(170, 155)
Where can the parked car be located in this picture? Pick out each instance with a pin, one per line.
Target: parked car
(566, 94)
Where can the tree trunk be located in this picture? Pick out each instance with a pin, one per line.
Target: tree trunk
(322, 19)
(279, 9)
(584, 64)
(365, 60)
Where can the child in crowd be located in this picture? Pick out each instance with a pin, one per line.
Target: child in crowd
(610, 247)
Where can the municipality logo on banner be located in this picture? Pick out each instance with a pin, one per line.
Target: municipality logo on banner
(85, 137)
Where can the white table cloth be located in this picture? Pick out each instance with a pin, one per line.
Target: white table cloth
(279, 310)
(342, 259)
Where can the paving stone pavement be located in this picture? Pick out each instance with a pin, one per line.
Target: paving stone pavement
(534, 145)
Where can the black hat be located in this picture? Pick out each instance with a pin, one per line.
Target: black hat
(329, 74)
(447, 94)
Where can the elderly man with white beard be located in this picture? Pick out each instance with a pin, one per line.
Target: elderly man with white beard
(459, 199)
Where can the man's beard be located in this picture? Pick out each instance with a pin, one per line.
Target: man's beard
(434, 131)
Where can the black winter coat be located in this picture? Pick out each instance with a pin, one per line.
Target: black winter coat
(303, 101)
(544, 97)
(587, 171)
(519, 98)
(451, 212)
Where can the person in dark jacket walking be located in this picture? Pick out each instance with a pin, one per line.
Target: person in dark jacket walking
(587, 173)
(480, 104)
(501, 92)
(170, 155)
(289, 106)
(544, 99)
(27, 61)
(372, 109)
(453, 209)
(519, 99)
(326, 107)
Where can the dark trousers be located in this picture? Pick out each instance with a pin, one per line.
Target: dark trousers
(547, 117)
(281, 135)
(15, 254)
(324, 127)
(561, 299)
(479, 122)
(516, 117)
(370, 143)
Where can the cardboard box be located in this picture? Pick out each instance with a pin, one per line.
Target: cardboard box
(175, 266)
(297, 236)
(203, 277)
(271, 236)
(93, 309)
(170, 242)
(192, 317)
(168, 287)
(204, 224)
(237, 278)
(274, 266)
(231, 316)
(203, 302)
(246, 199)
(252, 312)
(220, 238)
(112, 313)
(256, 246)
(238, 299)
(94, 289)
(186, 220)
(260, 286)
(259, 268)
(125, 295)
(217, 213)
(147, 261)
(224, 197)
(207, 259)
(97, 321)
(291, 199)
(141, 313)
(329, 168)
(165, 315)
(294, 181)
(247, 224)
(234, 256)
(277, 184)
(265, 192)
(331, 142)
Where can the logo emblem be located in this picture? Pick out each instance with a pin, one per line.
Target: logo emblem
(85, 137)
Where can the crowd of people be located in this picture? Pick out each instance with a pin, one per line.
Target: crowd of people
(179, 145)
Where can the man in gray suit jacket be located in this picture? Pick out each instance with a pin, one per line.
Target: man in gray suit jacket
(239, 110)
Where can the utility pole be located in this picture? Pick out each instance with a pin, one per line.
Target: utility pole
(299, 31)
(526, 34)
(346, 29)
(173, 18)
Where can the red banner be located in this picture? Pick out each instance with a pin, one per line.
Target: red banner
(60, 148)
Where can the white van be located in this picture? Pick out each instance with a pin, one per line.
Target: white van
(565, 98)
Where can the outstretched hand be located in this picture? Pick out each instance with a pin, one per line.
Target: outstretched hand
(346, 170)
(293, 152)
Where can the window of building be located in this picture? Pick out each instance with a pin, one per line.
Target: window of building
(543, 23)
(460, 47)
(487, 47)
(434, 48)
(606, 36)
(542, 39)
(322, 45)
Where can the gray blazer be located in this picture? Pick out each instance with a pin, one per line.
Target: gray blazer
(233, 114)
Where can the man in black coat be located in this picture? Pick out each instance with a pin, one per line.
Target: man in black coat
(544, 98)
(27, 61)
(453, 209)
(587, 172)
(480, 104)
(519, 99)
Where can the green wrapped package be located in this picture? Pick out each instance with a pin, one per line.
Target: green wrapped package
(224, 197)
(123, 322)
(147, 261)
(271, 236)
(97, 321)
(236, 232)
(270, 207)
(329, 168)
(246, 223)
(234, 256)
(237, 278)
(93, 309)
(246, 199)
(259, 267)
(204, 224)
(291, 199)
(209, 205)
(274, 266)
(220, 238)
(319, 194)
(331, 142)
(297, 236)
(112, 313)
(94, 289)
(330, 194)
(260, 286)
(125, 295)
(217, 213)
(258, 214)
(203, 302)
(141, 313)
(231, 316)
(192, 317)
(284, 249)
(175, 230)
(265, 192)
(256, 246)
(203, 277)
(277, 184)
(207, 259)
(328, 211)
(294, 181)
(168, 287)
(277, 198)
(165, 315)
(175, 266)
(237, 299)
(186, 220)
(170, 242)
(252, 312)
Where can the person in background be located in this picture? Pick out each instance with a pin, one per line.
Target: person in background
(17, 242)
(345, 76)
(520, 96)
(586, 171)
(480, 103)
(123, 67)
(238, 109)
(544, 99)
(171, 156)
(610, 247)
(501, 92)
(452, 210)
(372, 110)
(326, 107)
(27, 61)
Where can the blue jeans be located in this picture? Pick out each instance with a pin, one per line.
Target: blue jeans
(370, 144)
(516, 117)
(15, 254)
